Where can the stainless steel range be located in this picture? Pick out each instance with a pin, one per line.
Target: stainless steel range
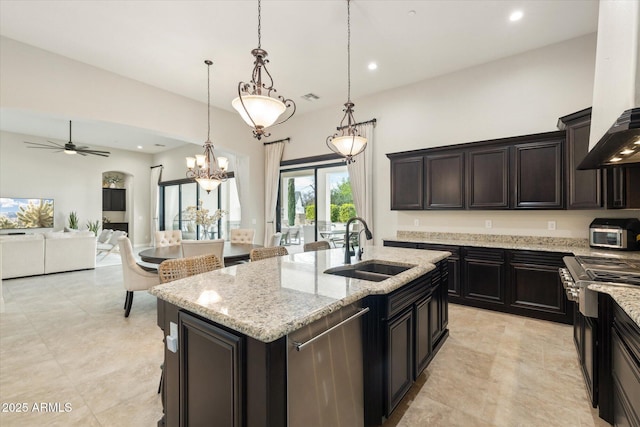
(582, 271)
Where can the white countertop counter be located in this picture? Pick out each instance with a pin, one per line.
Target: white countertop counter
(270, 298)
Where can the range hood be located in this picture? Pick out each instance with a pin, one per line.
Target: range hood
(619, 146)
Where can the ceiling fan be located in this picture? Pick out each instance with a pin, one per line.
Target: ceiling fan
(68, 148)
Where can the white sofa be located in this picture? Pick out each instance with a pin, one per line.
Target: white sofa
(51, 252)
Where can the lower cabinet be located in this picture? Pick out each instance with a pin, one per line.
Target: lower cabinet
(585, 339)
(513, 281)
(625, 369)
(412, 325)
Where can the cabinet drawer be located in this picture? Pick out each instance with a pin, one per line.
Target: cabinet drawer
(407, 295)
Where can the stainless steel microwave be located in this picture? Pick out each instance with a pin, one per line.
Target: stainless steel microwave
(615, 233)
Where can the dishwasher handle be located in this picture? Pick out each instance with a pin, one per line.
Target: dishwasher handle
(300, 346)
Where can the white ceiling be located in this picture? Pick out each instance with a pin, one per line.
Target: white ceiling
(165, 43)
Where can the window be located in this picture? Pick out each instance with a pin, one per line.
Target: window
(177, 196)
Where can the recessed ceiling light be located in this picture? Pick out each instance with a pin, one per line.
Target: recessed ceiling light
(372, 66)
(615, 159)
(412, 13)
(139, 147)
(516, 16)
(627, 151)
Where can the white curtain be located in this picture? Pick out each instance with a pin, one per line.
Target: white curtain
(156, 174)
(272, 157)
(361, 178)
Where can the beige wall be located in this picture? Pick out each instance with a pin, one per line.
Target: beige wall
(518, 95)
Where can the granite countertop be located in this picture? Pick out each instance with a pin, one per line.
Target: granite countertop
(627, 298)
(572, 245)
(270, 298)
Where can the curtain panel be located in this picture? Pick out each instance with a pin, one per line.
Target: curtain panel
(272, 158)
(361, 178)
(156, 175)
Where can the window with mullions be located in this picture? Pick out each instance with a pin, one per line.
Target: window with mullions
(180, 199)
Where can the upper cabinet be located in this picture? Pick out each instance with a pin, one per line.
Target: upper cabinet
(445, 181)
(407, 181)
(114, 199)
(488, 178)
(523, 172)
(538, 178)
(584, 187)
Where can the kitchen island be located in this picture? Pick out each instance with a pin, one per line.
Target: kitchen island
(230, 335)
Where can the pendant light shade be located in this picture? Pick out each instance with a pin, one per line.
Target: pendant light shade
(257, 102)
(347, 142)
(208, 171)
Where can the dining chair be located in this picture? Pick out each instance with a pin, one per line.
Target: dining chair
(168, 238)
(242, 235)
(317, 246)
(263, 253)
(135, 277)
(179, 268)
(202, 247)
(275, 240)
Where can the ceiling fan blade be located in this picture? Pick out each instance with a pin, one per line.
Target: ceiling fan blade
(83, 147)
(81, 153)
(43, 145)
(47, 148)
(95, 152)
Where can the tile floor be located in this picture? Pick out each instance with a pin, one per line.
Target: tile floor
(63, 339)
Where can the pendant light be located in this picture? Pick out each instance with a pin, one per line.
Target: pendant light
(347, 141)
(208, 171)
(257, 102)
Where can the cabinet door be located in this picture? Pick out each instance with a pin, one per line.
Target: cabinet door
(488, 178)
(424, 334)
(407, 183)
(538, 179)
(106, 199)
(453, 266)
(535, 289)
(623, 191)
(584, 186)
(114, 199)
(211, 374)
(589, 362)
(400, 358)
(445, 181)
(484, 276)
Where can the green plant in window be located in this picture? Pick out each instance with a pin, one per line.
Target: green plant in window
(348, 210)
(7, 223)
(291, 202)
(310, 212)
(36, 216)
(335, 213)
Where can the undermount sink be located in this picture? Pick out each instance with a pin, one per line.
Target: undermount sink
(371, 271)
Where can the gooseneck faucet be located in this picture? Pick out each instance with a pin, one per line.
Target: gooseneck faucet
(367, 233)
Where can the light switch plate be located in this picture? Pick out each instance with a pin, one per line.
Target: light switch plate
(488, 223)
(551, 225)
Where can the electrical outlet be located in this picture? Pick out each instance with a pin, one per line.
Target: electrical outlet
(253, 221)
(416, 222)
(488, 223)
(551, 225)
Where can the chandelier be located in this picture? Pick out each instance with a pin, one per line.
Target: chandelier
(347, 142)
(208, 171)
(257, 102)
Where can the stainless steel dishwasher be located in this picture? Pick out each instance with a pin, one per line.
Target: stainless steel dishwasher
(324, 371)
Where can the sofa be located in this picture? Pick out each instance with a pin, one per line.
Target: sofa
(45, 253)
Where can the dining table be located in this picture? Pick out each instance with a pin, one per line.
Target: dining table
(233, 253)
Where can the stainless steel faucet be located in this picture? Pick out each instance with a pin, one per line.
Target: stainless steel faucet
(367, 233)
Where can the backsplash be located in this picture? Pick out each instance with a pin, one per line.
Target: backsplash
(494, 238)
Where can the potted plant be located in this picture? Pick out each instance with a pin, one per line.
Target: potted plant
(112, 181)
(94, 226)
(73, 220)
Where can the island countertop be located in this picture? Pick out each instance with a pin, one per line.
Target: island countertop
(270, 298)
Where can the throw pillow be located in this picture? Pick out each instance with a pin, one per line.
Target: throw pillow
(105, 236)
(115, 236)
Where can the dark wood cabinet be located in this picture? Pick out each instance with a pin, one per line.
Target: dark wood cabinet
(585, 340)
(584, 187)
(211, 374)
(535, 286)
(623, 187)
(114, 199)
(407, 183)
(488, 178)
(484, 276)
(445, 181)
(400, 358)
(407, 328)
(519, 282)
(537, 175)
(121, 226)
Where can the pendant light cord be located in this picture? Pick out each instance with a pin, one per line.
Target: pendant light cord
(349, 51)
(208, 62)
(259, 25)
